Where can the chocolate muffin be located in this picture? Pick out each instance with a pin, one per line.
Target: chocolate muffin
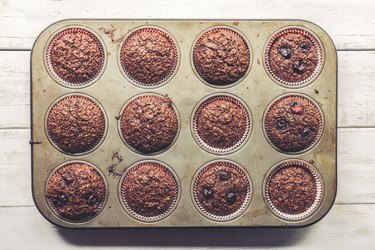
(221, 124)
(293, 123)
(221, 56)
(149, 123)
(75, 124)
(149, 56)
(149, 191)
(293, 56)
(76, 191)
(221, 190)
(75, 56)
(293, 188)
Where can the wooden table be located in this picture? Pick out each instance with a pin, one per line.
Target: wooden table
(349, 225)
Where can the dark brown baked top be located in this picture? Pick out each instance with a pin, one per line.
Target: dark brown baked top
(76, 55)
(149, 56)
(76, 124)
(221, 189)
(221, 56)
(76, 191)
(221, 122)
(149, 123)
(293, 56)
(149, 189)
(292, 189)
(293, 123)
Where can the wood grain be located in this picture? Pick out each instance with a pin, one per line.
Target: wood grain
(345, 227)
(350, 23)
(15, 174)
(356, 89)
(15, 89)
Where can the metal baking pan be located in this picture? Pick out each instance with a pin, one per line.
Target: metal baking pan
(257, 89)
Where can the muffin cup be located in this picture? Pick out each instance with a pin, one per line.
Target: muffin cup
(69, 30)
(321, 124)
(204, 34)
(171, 74)
(138, 216)
(94, 145)
(194, 126)
(84, 219)
(212, 216)
(145, 95)
(319, 190)
(320, 52)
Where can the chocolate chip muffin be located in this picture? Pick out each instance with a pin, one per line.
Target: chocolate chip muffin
(293, 123)
(75, 124)
(221, 190)
(293, 188)
(149, 123)
(149, 191)
(149, 56)
(221, 124)
(75, 56)
(76, 191)
(293, 56)
(221, 56)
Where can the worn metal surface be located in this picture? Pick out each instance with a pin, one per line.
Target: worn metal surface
(185, 89)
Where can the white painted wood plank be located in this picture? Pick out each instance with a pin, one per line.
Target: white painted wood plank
(15, 166)
(356, 165)
(14, 89)
(350, 23)
(356, 171)
(356, 89)
(345, 227)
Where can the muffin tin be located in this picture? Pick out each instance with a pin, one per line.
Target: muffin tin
(256, 88)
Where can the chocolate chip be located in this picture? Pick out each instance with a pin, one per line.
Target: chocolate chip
(62, 199)
(305, 131)
(299, 66)
(293, 104)
(91, 200)
(281, 124)
(68, 178)
(304, 47)
(87, 194)
(285, 52)
(224, 175)
(208, 193)
(231, 198)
